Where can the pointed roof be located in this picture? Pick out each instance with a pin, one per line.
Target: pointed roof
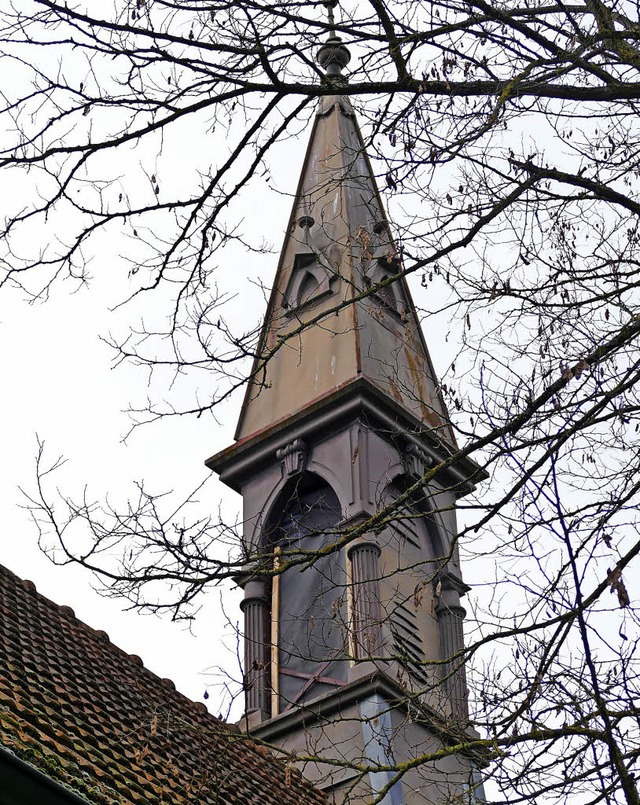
(322, 332)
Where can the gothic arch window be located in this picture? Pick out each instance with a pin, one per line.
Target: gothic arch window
(309, 282)
(308, 598)
(308, 288)
(389, 296)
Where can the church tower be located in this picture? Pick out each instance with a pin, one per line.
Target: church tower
(352, 616)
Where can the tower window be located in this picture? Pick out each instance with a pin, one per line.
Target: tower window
(309, 598)
(309, 281)
(388, 296)
(307, 289)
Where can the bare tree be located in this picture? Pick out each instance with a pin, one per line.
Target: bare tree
(506, 137)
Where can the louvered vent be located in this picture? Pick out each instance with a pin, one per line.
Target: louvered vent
(407, 642)
(407, 534)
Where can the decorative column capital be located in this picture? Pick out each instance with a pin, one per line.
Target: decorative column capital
(446, 581)
(443, 609)
(293, 457)
(416, 461)
(364, 545)
(255, 591)
(447, 589)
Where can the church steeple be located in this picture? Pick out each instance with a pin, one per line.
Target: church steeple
(336, 269)
(353, 638)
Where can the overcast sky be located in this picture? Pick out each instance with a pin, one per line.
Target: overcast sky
(57, 382)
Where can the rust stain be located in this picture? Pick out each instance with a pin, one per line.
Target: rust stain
(395, 391)
(418, 377)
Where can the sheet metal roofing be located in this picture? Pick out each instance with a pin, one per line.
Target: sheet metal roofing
(93, 718)
(322, 332)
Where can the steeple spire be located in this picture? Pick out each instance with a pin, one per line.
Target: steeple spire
(337, 323)
(338, 248)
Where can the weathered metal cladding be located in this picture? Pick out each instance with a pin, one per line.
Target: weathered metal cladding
(337, 239)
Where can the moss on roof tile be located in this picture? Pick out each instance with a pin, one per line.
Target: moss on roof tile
(96, 720)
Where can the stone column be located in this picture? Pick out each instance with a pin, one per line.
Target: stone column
(366, 608)
(257, 629)
(451, 616)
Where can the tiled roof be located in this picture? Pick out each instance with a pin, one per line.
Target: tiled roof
(95, 719)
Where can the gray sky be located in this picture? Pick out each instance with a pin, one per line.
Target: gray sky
(59, 383)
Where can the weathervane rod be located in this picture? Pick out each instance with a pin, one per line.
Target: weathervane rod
(330, 5)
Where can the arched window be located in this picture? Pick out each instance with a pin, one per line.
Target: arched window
(309, 282)
(309, 597)
(389, 296)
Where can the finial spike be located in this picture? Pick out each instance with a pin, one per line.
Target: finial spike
(330, 5)
(333, 56)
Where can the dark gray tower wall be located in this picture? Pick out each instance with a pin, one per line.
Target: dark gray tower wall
(390, 602)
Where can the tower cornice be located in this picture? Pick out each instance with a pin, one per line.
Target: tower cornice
(327, 413)
(376, 682)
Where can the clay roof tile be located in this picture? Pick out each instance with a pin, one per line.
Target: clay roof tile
(91, 716)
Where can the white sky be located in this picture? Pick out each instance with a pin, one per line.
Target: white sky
(57, 382)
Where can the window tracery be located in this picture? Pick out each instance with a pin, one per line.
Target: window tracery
(309, 282)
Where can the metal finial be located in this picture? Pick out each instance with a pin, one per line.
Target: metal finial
(305, 222)
(330, 5)
(333, 56)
